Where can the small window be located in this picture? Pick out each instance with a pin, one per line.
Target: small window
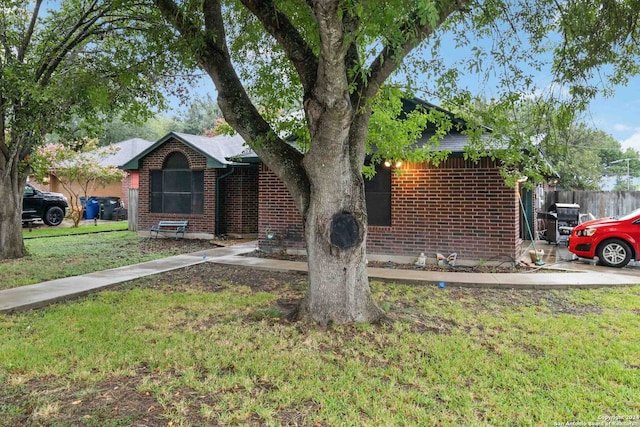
(176, 188)
(378, 197)
(176, 160)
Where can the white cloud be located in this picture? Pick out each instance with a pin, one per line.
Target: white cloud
(619, 127)
(632, 142)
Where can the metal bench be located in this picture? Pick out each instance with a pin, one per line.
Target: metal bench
(30, 218)
(178, 227)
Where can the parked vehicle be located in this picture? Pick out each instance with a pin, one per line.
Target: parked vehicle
(51, 208)
(615, 241)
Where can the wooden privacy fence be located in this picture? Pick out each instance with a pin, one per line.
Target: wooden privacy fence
(133, 209)
(601, 204)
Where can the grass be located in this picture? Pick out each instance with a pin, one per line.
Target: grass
(83, 251)
(190, 356)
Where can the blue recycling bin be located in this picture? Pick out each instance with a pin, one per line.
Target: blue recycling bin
(92, 209)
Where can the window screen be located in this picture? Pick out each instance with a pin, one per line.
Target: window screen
(378, 197)
(176, 188)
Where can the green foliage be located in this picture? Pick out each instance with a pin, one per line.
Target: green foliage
(73, 58)
(114, 130)
(552, 140)
(395, 135)
(600, 44)
(499, 41)
(201, 116)
(82, 59)
(509, 139)
(625, 165)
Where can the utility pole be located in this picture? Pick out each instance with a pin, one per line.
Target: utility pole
(628, 170)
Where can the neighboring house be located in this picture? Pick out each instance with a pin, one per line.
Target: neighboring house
(195, 178)
(126, 151)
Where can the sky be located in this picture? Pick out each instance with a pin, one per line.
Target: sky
(618, 115)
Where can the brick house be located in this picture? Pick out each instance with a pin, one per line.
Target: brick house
(457, 206)
(194, 178)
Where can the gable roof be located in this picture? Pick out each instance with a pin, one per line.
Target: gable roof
(127, 150)
(454, 141)
(218, 150)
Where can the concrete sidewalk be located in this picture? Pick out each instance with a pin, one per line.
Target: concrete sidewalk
(42, 294)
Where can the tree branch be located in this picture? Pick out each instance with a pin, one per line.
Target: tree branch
(27, 37)
(283, 159)
(3, 138)
(295, 47)
(390, 56)
(82, 30)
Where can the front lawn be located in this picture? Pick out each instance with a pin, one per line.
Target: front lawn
(62, 252)
(206, 345)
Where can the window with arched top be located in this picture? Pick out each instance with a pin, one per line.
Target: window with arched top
(176, 160)
(176, 188)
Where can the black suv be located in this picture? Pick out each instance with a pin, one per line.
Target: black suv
(36, 204)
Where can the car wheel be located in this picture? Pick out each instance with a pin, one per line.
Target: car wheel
(614, 253)
(53, 216)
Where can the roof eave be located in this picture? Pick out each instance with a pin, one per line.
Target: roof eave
(212, 162)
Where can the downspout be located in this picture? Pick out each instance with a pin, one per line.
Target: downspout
(218, 180)
(526, 220)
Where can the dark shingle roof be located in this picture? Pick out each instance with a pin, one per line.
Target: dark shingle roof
(127, 150)
(221, 151)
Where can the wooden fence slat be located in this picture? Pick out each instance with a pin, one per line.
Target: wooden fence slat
(133, 209)
(602, 204)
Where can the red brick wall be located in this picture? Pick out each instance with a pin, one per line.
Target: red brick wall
(201, 223)
(277, 213)
(239, 202)
(458, 206)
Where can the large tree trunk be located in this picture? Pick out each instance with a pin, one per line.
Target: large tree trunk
(326, 183)
(11, 189)
(335, 231)
(336, 220)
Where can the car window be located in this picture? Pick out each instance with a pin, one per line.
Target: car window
(630, 215)
(28, 191)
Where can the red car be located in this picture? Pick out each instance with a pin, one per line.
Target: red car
(615, 241)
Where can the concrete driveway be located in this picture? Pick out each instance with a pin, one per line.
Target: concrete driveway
(558, 256)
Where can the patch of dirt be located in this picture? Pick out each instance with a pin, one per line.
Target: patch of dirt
(211, 277)
(290, 286)
(186, 245)
(43, 402)
(177, 245)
